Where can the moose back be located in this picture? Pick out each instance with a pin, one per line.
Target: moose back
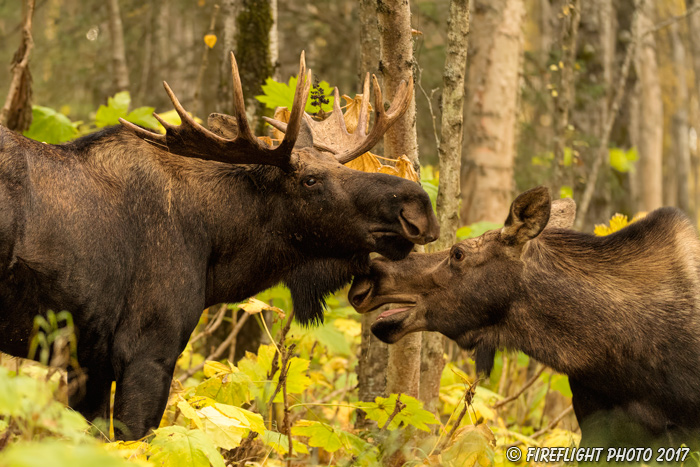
(135, 233)
(620, 314)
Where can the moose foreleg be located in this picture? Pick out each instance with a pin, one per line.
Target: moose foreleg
(142, 394)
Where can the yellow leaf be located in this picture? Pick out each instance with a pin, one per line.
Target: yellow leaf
(367, 162)
(352, 112)
(214, 368)
(405, 169)
(349, 327)
(554, 93)
(254, 306)
(387, 169)
(210, 40)
(265, 139)
(189, 412)
(282, 114)
(132, 450)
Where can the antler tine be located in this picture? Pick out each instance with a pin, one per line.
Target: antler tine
(301, 94)
(244, 130)
(383, 120)
(337, 112)
(143, 133)
(364, 107)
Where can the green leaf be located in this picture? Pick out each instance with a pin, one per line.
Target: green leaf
(412, 414)
(566, 192)
(176, 446)
(57, 453)
(143, 116)
(276, 94)
(280, 443)
(232, 389)
(476, 229)
(432, 190)
(51, 127)
(621, 160)
(329, 438)
(116, 108)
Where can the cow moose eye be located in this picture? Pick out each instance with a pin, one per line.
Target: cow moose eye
(457, 254)
(311, 181)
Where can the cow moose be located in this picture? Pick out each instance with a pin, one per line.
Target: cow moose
(619, 314)
(135, 233)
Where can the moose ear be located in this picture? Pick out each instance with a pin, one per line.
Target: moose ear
(528, 216)
(223, 125)
(563, 214)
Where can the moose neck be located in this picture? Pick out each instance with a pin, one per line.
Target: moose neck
(583, 297)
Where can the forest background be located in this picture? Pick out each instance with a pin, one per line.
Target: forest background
(597, 99)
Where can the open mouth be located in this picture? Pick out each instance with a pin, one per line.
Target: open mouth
(392, 311)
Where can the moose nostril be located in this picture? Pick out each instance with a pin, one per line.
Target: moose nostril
(409, 227)
(359, 292)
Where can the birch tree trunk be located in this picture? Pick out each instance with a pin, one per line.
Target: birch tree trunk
(648, 136)
(374, 354)
(396, 46)
(681, 148)
(120, 71)
(229, 13)
(450, 153)
(694, 33)
(492, 96)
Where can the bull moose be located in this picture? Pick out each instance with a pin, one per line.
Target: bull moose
(619, 314)
(135, 233)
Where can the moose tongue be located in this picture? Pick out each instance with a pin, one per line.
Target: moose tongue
(388, 313)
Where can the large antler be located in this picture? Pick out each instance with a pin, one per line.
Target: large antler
(190, 139)
(332, 135)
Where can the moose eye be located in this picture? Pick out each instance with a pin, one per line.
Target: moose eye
(311, 181)
(457, 254)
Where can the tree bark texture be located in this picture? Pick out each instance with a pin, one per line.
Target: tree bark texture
(16, 112)
(227, 37)
(681, 147)
(396, 65)
(119, 67)
(649, 135)
(449, 153)
(564, 94)
(253, 26)
(596, 53)
(694, 34)
(374, 354)
(496, 43)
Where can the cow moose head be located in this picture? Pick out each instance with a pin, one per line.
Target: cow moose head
(618, 314)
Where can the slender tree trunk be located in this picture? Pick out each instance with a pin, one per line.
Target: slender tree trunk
(564, 95)
(596, 54)
(16, 112)
(397, 63)
(649, 135)
(227, 37)
(681, 148)
(450, 154)
(492, 99)
(206, 52)
(120, 71)
(694, 33)
(253, 26)
(374, 354)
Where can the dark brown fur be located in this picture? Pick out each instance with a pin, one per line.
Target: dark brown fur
(135, 242)
(620, 314)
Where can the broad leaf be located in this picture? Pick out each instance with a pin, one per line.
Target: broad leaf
(49, 126)
(412, 414)
(176, 446)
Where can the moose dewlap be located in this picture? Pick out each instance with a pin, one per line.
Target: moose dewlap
(620, 314)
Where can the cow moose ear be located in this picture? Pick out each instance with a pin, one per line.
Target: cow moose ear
(563, 214)
(528, 216)
(223, 125)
